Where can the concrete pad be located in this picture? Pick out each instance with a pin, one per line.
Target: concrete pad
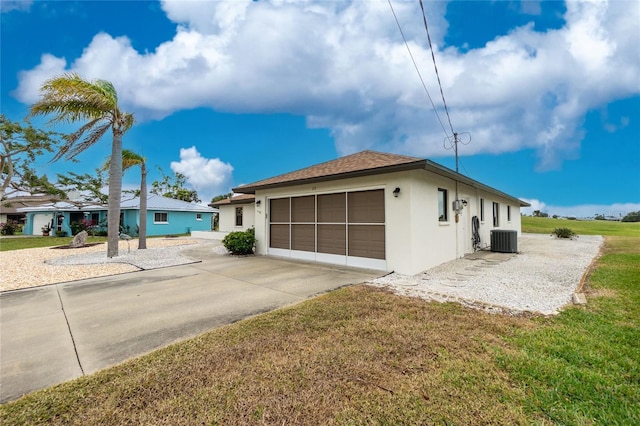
(36, 349)
(112, 319)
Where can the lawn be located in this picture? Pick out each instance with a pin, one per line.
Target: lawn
(546, 225)
(364, 356)
(16, 243)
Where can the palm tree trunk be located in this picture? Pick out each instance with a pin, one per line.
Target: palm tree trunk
(115, 190)
(142, 233)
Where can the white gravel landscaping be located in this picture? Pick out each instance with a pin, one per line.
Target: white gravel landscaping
(41, 266)
(541, 278)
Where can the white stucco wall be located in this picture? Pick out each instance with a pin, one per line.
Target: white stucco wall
(415, 239)
(227, 222)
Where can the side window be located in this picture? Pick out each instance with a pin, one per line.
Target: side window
(496, 214)
(481, 209)
(238, 216)
(442, 205)
(508, 213)
(160, 217)
(198, 216)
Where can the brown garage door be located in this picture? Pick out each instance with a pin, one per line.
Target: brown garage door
(344, 223)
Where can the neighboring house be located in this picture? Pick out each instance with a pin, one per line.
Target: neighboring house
(375, 210)
(9, 210)
(237, 213)
(165, 216)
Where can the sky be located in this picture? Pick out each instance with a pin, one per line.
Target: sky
(544, 95)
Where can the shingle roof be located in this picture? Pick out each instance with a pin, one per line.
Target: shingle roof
(235, 199)
(361, 163)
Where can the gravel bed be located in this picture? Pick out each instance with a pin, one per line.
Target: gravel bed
(541, 278)
(40, 266)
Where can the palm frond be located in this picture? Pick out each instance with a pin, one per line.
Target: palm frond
(93, 137)
(71, 140)
(72, 98)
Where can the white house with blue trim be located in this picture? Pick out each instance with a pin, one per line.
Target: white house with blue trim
(165, 216)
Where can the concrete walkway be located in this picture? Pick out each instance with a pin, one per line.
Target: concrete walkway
(55, 333)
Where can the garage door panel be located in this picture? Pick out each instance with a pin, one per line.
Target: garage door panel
(367, 241)
(303, 237)
(366, 206)
(303, 209)
(332, 239)
(279, 236)
(279, 211)
(332, 208)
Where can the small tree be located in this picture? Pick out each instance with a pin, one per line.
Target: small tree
(20, 146)
(174, 187)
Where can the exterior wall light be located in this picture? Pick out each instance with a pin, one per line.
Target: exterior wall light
(396, 192)
(258, 202)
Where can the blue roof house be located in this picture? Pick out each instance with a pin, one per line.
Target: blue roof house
(165, 216)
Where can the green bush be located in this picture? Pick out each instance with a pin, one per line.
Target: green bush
(239, 242)
(563, 233)
(9, 228)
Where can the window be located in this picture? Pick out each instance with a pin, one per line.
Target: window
(481, 209)
(508, 213)
(238, 216)
(496, 214)
(442, 205)
(198, 216)
(160, 217)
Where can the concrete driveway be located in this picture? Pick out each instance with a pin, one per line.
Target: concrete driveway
(59, 332)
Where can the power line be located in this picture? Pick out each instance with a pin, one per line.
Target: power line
(418, 70)
(433, 56)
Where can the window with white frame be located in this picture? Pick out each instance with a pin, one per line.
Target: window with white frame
(508, 213)
(198, 216)
(160, 217)
(481, 209)
(238, 216)
(442, 205)
(496, 214)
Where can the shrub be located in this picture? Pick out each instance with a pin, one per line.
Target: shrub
(563, 233)
(239, 242)
(9, 228)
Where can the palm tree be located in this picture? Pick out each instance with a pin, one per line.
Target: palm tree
(70, 98)
(131, 159)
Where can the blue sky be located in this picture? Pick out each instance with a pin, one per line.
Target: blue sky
(233, 92)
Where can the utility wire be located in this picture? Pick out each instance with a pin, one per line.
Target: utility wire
(426, 27)
(418, 70)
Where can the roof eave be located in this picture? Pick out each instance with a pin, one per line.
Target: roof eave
(446, 172)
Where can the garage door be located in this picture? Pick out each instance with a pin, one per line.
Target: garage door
(40, 220)
(345, 228)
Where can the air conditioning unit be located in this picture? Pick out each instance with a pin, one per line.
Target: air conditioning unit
(504, 241)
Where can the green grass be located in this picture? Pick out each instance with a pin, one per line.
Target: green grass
(583, 366)
(7, 244)
(546, 225)
(363, 356)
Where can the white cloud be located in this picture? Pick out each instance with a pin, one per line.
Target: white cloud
(9, 5)
(344, 66)
(208, 176)
(617, 210)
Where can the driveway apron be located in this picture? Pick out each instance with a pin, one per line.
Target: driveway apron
(55, 333)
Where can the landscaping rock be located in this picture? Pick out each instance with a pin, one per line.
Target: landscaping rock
(80, 240)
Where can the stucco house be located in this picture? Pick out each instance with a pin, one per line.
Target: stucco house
(165, 216)
(236, 213)
(375, 210)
